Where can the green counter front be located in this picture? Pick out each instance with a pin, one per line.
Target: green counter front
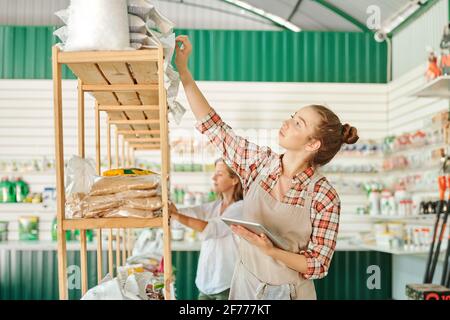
(31, 273)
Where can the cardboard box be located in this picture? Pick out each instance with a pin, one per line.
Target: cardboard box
(427, 291)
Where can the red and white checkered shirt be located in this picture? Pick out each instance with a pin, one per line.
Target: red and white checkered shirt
(248, 159)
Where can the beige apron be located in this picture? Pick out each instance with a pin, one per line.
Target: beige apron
(258, 276)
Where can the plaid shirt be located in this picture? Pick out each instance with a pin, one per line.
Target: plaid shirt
(248, 159)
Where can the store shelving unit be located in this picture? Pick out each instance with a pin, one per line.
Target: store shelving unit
(437, 88)
(129, 87)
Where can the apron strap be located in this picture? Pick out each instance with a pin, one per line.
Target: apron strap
(310, 191)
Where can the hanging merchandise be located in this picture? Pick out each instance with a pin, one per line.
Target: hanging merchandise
(445, 50)
(433, 70)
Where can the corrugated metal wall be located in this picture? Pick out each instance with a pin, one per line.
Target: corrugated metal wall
(223, 55)
(409, 45)
(33, 275)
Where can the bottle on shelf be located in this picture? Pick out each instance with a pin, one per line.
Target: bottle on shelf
(21, 189)
(7, 191)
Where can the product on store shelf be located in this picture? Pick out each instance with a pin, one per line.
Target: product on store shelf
(49, 197)
(98, 25)
(133, 193)
(387, 203)
(127, 172)
(55, 231)
(7, 191)
(433, 70)
(116, 184)
(29, 228)
(3, 231)
(21, 190)
(89, 235)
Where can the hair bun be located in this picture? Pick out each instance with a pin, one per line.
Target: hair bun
(349, 134)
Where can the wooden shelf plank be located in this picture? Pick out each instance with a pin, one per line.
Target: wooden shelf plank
(108, 56)
(129, 108)
(118, 88)
(102, 223)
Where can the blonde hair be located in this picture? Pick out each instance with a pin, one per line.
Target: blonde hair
(238, 192)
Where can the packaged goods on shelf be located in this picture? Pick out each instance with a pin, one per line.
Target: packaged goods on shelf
(126, 172)
(126, 193)
(116, 184)
(29, 228)
(361, 149)
(3, 230)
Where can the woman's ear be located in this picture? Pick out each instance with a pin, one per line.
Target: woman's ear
(313, 146)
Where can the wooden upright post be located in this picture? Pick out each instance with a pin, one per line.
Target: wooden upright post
(164, 174)
(59, 156)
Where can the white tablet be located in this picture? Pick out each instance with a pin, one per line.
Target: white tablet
(258, 229)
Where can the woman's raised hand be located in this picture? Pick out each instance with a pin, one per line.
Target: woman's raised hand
(182, 53)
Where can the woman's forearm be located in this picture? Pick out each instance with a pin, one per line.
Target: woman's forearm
(294, 261)
(198, 103)
(193, 223)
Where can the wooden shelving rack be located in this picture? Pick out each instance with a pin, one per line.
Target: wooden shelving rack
(129, 87)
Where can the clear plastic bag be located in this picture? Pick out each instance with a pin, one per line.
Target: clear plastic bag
(141, 8)
(80, 175)
(136, 24)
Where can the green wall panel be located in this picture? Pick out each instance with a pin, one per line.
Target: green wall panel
(33, 275)
(227, 55)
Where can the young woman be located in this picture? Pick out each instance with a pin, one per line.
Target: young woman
(219, 252)
(285, 193)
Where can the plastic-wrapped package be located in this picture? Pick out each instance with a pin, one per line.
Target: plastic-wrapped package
(133, 194)
(80, 175)
(63, 15)
(97, 25)
(176, 109)
(148, 244)
(73, 205)
(139, 38)
(143, 203)
(136, 24)
(61, 33)
(126, 172)
(164, 25)
(107, 290)
(110, 185)
(140, 8)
